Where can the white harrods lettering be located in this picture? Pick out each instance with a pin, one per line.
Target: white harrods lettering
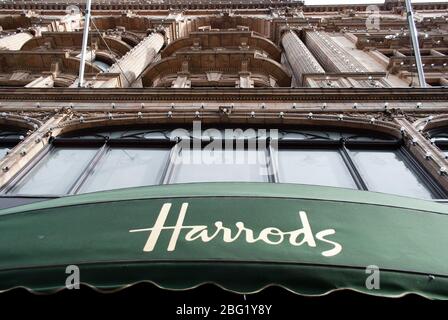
(270, 235)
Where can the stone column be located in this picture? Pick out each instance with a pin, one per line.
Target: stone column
(332, 56)
(135, 61)
(14, 41)
(299, 57)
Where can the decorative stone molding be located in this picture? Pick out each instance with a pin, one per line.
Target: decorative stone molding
(317, 95)
(431, 158)
(185, 116)
(21, 154)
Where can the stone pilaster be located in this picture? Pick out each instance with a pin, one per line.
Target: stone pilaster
(22, 154)
(135, 61)
(428, 155)
(299, 57)
(332, 56)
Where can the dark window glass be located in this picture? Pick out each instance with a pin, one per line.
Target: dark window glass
(102, 65)
(10, 137)
(439, 137)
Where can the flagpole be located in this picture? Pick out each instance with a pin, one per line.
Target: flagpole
(415, 45)
(85, 37)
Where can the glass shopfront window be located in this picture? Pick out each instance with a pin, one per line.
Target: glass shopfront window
(386, 171)
(319, 167)
(127, 167)
(220, 165)
(95, 161)
(56, 173)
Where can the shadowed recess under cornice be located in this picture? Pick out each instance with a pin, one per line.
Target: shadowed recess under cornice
(224, 39)
(214, 61)
(41, 61)
(62, 40)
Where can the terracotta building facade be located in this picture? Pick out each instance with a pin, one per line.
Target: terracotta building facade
(281, 65)
(325, 98)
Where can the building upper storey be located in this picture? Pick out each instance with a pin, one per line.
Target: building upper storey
(240, 44)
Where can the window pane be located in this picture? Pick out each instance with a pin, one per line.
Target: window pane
(102, 65)
(3, 151)
(385, 171)
(319, 167)
(127, 167)
(220, 165)
(56, 172)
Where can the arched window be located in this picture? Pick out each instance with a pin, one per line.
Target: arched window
(103, 61)
(9, 138)
(102, 65)
(439, 137)
(103, 160)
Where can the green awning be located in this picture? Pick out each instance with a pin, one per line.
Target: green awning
(240, 236)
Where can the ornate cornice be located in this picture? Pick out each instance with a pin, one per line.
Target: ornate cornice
(83, 120)
(135, 6)
(111, 5)
(223, 94)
